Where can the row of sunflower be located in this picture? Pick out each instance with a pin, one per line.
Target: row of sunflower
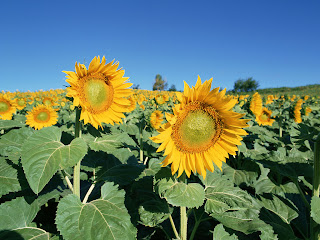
(46, 104)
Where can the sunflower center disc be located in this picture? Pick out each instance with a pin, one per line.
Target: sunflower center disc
(4, 107)
(47, 102)
(43, 116)
(97, 93)
(264, 117)
(21, 102)
(197, 129)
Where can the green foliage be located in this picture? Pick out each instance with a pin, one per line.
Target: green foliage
(43, 155)
(315, 209)
(264, 192)
(17, 213)
(104, 218)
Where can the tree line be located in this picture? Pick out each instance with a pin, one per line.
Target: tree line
(241, 85)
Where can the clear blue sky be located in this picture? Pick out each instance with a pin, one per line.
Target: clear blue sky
(277, 42)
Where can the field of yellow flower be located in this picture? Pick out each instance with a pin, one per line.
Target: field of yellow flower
(99, 160)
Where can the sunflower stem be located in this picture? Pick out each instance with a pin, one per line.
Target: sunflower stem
(280, 127)
(303, 197)
(141, 141)
(90, 189)
(174, 227)
(183, 214)
(314, 227)
(76, 170)
(62, 172)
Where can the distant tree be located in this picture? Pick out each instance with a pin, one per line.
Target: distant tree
(238, 85)
(159, 84)
(136, 86)
(245, 85)
(173, 88)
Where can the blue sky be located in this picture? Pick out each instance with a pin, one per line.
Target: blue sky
(277, 42)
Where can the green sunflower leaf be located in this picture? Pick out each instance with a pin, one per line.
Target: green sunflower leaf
(43, 154)
(180, 194)
(73, 153)
(11, 143)
(222, 196)
(26, 233)
(285, 210)
(6, 124)
(121, 174)
(220, 234)
(110, 142)
(9, 181)
(104, 218)
(315, 209)
(17, 213)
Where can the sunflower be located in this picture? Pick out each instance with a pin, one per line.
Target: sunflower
(161, 99)
(256, 104)
(101, 91)
(265, 117)
(156, 119)
(142, 107)
(297, 112)
(7, 107)
(132, 104)
(41, 116)
(48, 101)
(308, 110)
(21, 103)
(201, 131)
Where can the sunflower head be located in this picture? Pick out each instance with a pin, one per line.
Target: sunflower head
(256, 104)
(7, 107)
(201, 131)
(48, 101)
(21, 103)
(101, 91)
(265, 117)
(297, 111)
(308, 110)
(41, 116)
(156, 119)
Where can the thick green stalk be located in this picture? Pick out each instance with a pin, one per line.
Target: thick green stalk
(316, 168)
(314, 227)
(184, 223)
(76, 170)
(280, 127)
(141, 141)
(183, 214)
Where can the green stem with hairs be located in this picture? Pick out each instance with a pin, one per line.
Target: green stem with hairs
(174, 227)
(141, 141)
(183, 214)
(303, 197)
(76, 170)
(314, 227)
(280, 127)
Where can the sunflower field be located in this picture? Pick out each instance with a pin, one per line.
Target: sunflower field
(100, 161)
